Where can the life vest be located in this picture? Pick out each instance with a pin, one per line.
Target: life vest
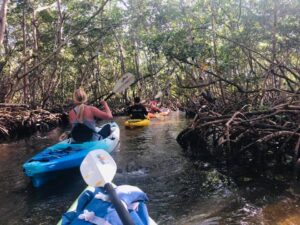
(137, 111)
(153, 103)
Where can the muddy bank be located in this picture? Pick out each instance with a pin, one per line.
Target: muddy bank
(247, 137)
(18, 121)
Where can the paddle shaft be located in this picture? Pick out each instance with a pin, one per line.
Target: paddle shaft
(108, 96)
(98, 98)
(122, 212)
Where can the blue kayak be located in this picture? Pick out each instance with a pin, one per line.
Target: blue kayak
(65, 155)
(94, 207)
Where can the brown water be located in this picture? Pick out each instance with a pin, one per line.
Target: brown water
(180, 192)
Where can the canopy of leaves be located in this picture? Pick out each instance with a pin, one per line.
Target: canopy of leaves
(248, 47)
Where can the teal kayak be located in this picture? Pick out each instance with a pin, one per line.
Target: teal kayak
(65, 155)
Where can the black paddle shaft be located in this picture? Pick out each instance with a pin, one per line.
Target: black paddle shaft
(107, 97)
(121, 210)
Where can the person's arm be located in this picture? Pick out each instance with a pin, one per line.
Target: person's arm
(128, 111)
(145, 112)
(107, 115)
(72, 116)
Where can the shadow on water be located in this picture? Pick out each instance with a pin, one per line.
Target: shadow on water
(20, 202)
(180, 191)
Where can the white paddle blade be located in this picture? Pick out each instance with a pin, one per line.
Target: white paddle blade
(126, 80)
(98, 168)
(158, 95)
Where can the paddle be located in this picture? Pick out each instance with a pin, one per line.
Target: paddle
(98, 169)
(123, 83)
(158, 95)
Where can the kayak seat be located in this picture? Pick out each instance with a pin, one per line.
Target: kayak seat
(105, 131)
(81, 133)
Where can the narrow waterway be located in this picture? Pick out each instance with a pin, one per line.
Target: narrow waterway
(180, 192)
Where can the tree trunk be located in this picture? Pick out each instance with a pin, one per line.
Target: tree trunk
(123, 68)
(137, 66)
(55, 78)
(35, 50)
(25, 79)
(60, 23)
(213, 25)
(3, 20)
(274, 43)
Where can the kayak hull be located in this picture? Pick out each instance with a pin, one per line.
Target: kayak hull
(152, 115)
(137, 123)
(64, 155)
(164, 112)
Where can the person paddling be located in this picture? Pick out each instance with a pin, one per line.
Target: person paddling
(137, 111)
(82, 118)
(154, 106)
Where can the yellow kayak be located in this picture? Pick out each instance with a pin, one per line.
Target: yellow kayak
(137, 123)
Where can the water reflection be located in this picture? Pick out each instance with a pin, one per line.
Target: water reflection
(179, 192)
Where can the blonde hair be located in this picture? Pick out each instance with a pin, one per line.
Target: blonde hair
(80, 97)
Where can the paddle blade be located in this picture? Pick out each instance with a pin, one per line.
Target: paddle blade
(158, 95)
(98, 168)
(123, 83)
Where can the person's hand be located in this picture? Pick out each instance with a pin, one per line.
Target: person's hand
(102, 102)
(64, 136)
